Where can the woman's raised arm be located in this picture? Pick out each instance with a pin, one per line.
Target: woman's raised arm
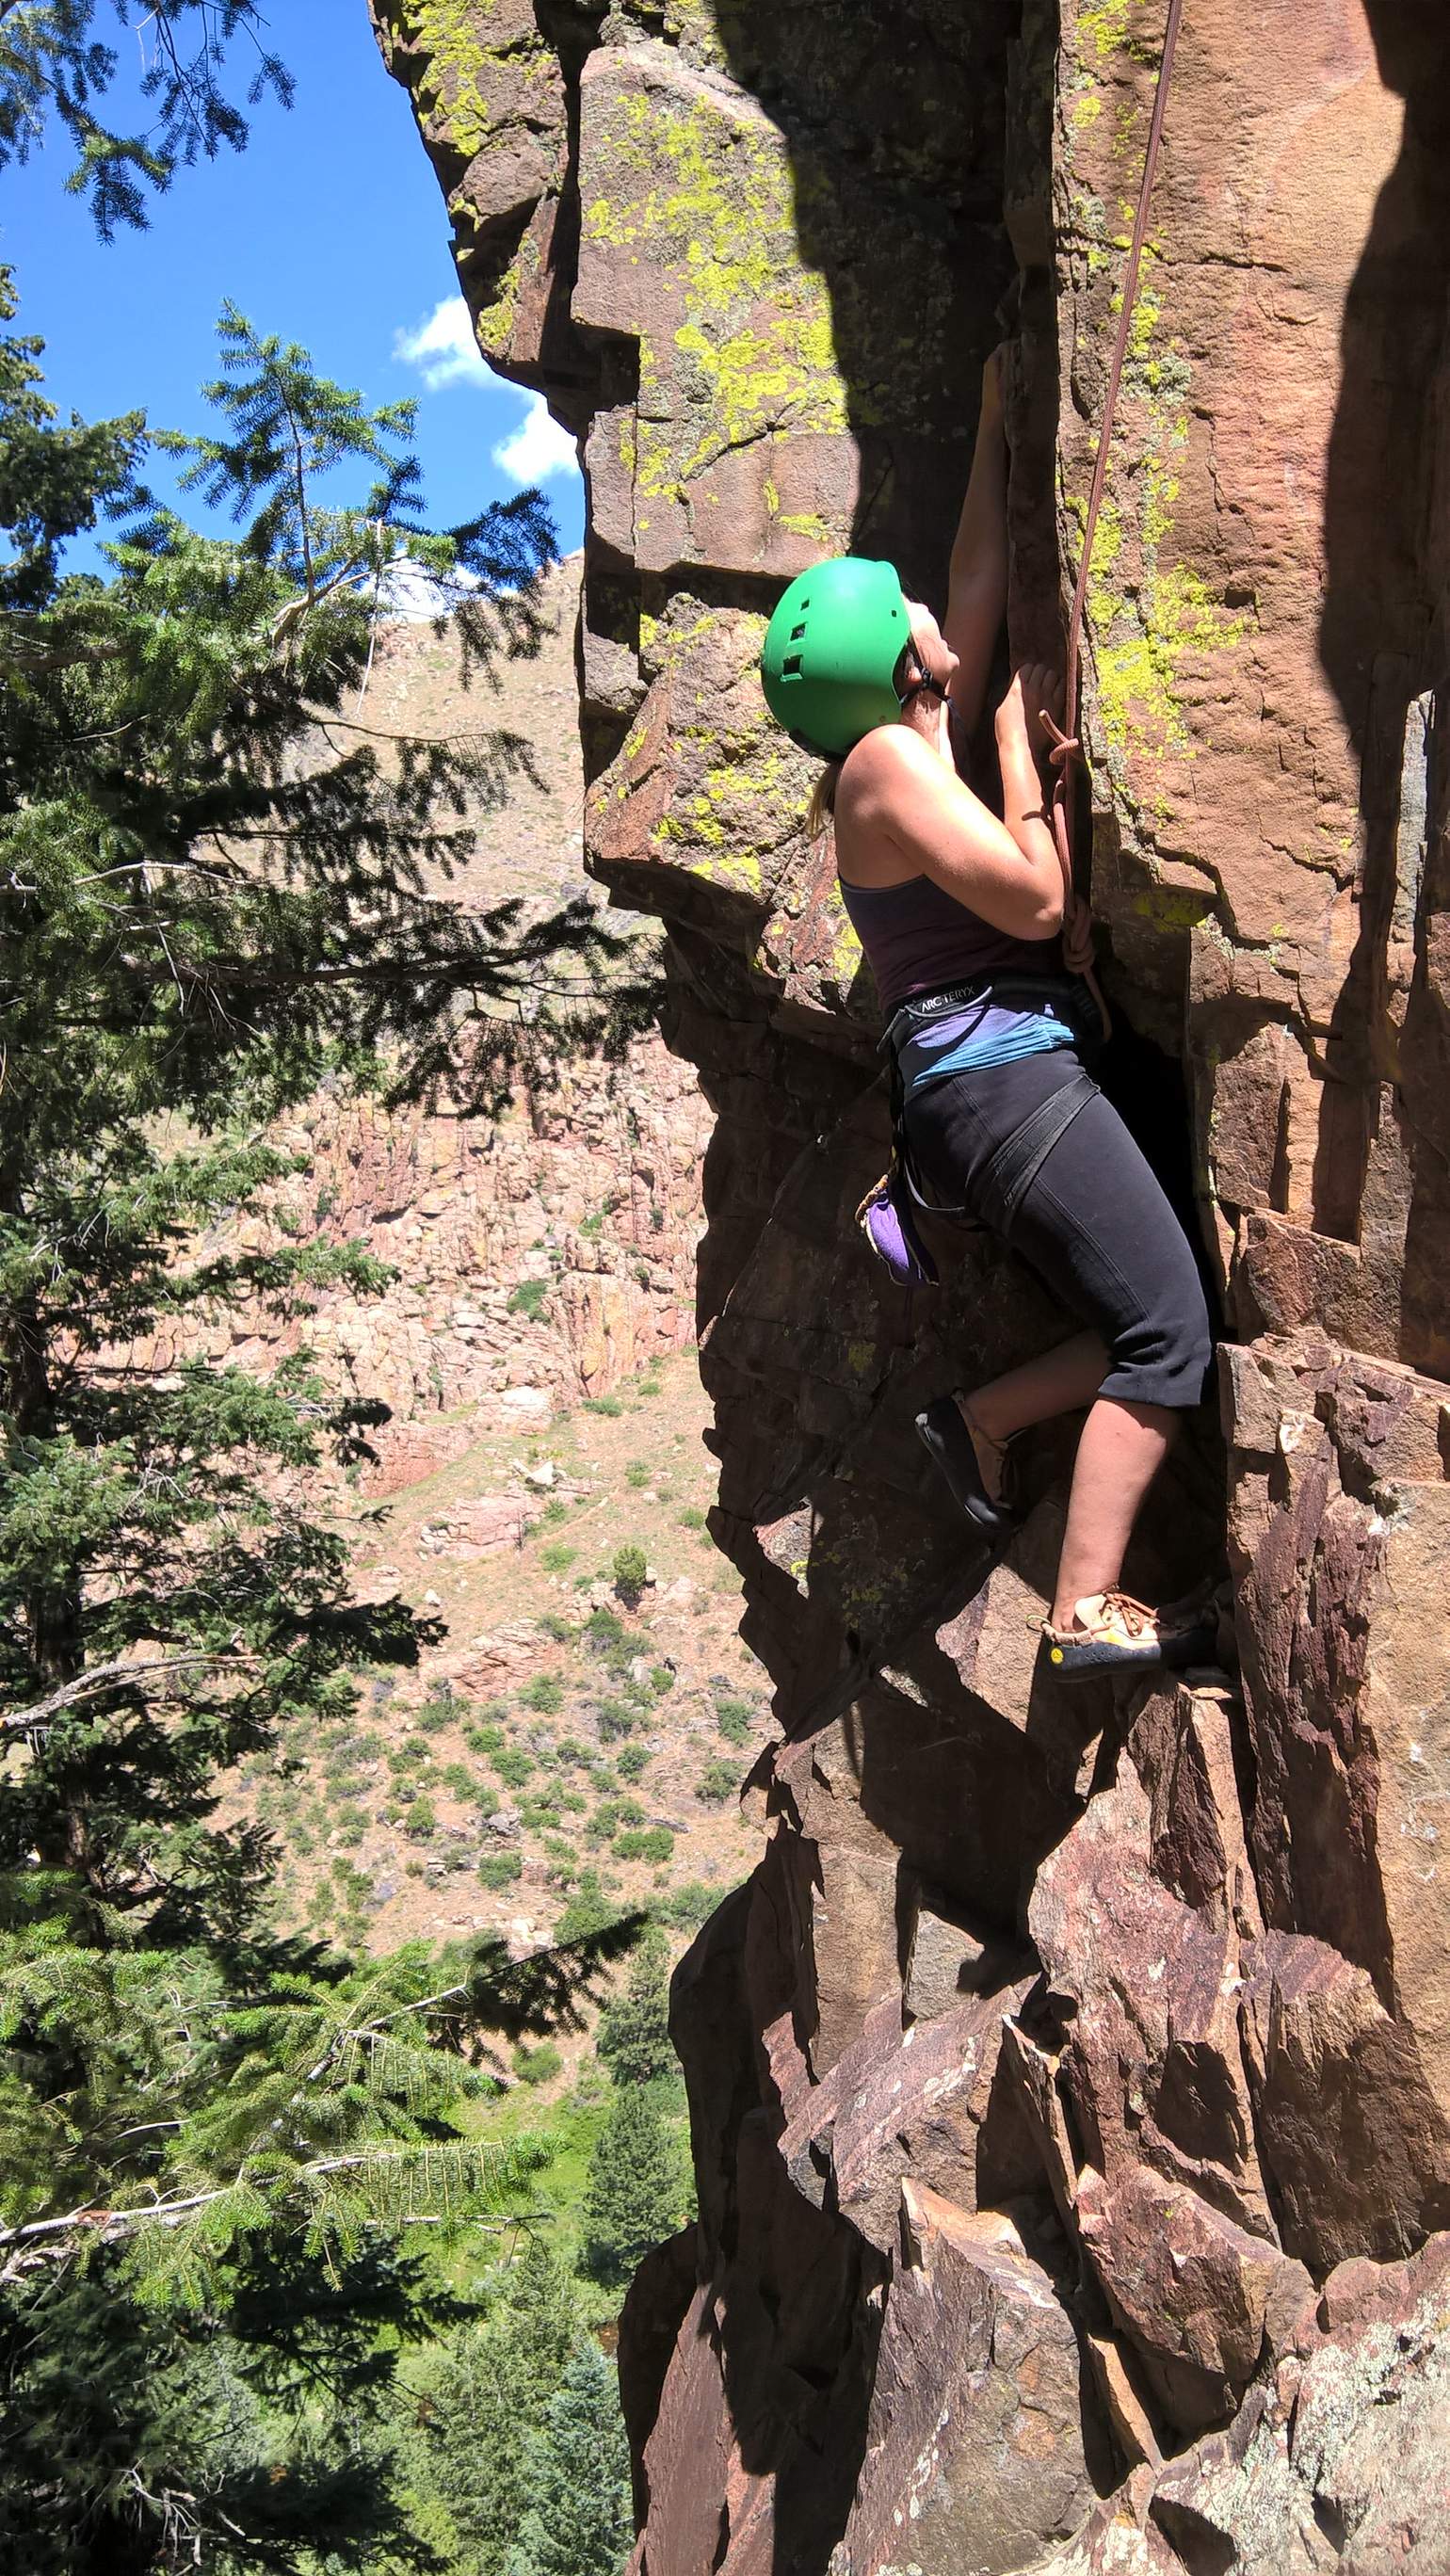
(898, 791)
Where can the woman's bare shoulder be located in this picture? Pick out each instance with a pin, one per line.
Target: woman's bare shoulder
(882, 763)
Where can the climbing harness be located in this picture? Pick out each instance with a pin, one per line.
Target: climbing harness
(887, 1214)
(1066, 743)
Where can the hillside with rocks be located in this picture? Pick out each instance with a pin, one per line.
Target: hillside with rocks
(1069, 2091)
(566, 1737)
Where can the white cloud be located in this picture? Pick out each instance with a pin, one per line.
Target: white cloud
(445, 352)
(538, 448)
(444, 349)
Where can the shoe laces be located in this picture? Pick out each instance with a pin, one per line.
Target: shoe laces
(1135, 1615)
(1121, 1610)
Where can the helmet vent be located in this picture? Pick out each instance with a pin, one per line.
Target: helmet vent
(790, 667)
(796, 633)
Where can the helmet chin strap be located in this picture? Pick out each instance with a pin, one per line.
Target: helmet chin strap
(928, 685)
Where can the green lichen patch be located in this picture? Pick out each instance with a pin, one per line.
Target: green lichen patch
(453, 87)
(709, 200)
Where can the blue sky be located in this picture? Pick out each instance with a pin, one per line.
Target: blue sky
(329, 229)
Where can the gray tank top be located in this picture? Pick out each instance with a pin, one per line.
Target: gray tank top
(918, 938)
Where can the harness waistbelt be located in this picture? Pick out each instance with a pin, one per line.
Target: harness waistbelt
(1019, 1158)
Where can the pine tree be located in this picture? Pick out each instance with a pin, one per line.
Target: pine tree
(214, 893)
(634, 2028)
(55, 67)
(579, 2520)
(636, 2187)
(487, 2398)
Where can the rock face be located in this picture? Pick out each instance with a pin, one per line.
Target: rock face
(1069, 2083)
(538, 1258)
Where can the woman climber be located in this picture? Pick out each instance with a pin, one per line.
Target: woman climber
(961, 917)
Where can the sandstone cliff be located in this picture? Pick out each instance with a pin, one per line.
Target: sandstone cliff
(1070, 2085)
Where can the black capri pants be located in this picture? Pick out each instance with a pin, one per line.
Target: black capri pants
(1094, 1223)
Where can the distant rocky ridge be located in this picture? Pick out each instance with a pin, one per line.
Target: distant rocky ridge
(543, 1256)
(1070, 2089)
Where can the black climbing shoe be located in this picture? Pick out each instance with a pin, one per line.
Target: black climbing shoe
(1117, 1634)
(950, 1442)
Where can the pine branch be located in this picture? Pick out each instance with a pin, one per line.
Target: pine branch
(429, 2185)
(35, 1719)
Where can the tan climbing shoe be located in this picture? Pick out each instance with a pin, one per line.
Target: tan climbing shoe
(1111, 1632)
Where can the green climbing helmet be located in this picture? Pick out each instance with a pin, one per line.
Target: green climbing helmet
(831, 651)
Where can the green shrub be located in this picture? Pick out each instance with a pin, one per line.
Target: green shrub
(662, 1679)
(636, 1474)
(604, 1627)
(603, 1823)
(545, 1693)
(401, 1763)
(593, 1225)
(650, 1386)
(484, 1797)
(690, 1518)
(616, 1717)
(537, 2065)
(630, 1811)
(513, 1765)
(421, 1821)
(631, 1760)
(494, 1712)
(588, 1910)
(732, 1716)
(529, 1298)
(487, 1740)
(628, 1567)
(557, 1559)
(436, 1712)
(457, 1779)
(568, 1750)
(499, 1869)
(607, 1404)
(417, 1745)
(555, 1511)
(561, 1630)
(352, 1824)
(572, 1802)
(689, 1906)
(645, 1842)
(717, 1782)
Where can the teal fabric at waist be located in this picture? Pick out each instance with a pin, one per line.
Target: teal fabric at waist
(987, 1031)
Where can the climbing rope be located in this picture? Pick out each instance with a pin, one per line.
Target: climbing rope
(1065, 738)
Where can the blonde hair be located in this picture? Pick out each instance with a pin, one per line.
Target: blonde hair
(823, 800)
